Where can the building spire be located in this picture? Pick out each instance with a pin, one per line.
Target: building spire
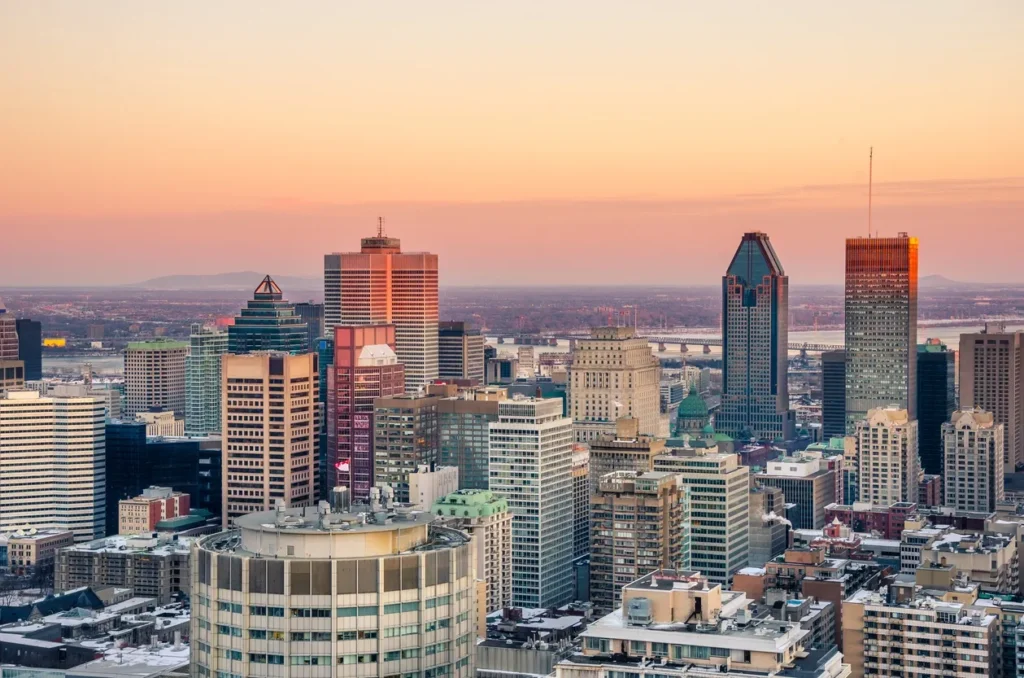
(380, 227)
(871, 165)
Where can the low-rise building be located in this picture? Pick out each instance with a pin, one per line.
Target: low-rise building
(990, 560)
(809, 573)
(818, 617)
(161, 422)
(865, 517)
(678, 624)
(526, 643)
(157, 567)
(141, 514)
(33, 552)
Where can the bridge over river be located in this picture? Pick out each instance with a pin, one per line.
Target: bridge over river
(684, 343)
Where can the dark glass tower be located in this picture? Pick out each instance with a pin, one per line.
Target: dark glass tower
(936, 401)
(30, 347)
(134, 462)
(325, 351)
(833, 386)
(268, 323)
(313, 315)
(755, 335)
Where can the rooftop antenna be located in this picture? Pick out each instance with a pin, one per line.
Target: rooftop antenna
(871, 163)
(380, 227)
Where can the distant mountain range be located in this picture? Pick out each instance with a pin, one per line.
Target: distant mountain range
(247, 280)
(243, 281)
(941, 281)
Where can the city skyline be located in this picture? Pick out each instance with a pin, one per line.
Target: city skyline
(694, 124)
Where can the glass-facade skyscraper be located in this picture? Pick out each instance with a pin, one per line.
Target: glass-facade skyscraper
(268, 323)
(202, 380)
(833, 399)
(936, 401)
(313, 315)
(881, 325)
(30, 347)
(755, 336)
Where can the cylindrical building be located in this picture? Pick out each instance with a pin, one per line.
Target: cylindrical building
(371, 592)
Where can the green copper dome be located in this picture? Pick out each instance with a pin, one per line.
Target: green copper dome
(693, 406)
(709, 430)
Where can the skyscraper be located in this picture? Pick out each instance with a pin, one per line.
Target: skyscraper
(8, 334)
(464, 434)
(719, 489)
(268, 323)
(833, 399)
(202, 380)
(381, 284)
(53, 464)
(881, 325)
(936, 400)
(973, 456)
(626, 450)
(887, 456)
(615, 374)
(313, 315)
(30, 347)
(992, 379)
(405, 435)
(365, 367)
(531, 439)
(154, 376)
(271, 432)
(656, 504)
(580, 501)
(755, 344)
(371, 591)
(325, 356)
(460, 352)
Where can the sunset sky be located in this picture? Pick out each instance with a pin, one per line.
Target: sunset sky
(525, 142)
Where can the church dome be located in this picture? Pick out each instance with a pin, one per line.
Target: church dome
(693, 406)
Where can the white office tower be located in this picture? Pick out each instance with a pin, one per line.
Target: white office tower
(202, 380)
(531, 467)
(889, 467)
(52, 464)
(972, 443)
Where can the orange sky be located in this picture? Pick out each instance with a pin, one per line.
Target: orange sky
(151, 138)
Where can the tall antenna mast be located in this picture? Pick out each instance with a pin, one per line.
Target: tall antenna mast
(380, 227)
(871, 163)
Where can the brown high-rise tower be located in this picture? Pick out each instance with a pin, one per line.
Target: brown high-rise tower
(991, 379)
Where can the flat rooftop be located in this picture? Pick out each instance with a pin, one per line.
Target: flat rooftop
(758, 635)
(307, 520)
(136, 544)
